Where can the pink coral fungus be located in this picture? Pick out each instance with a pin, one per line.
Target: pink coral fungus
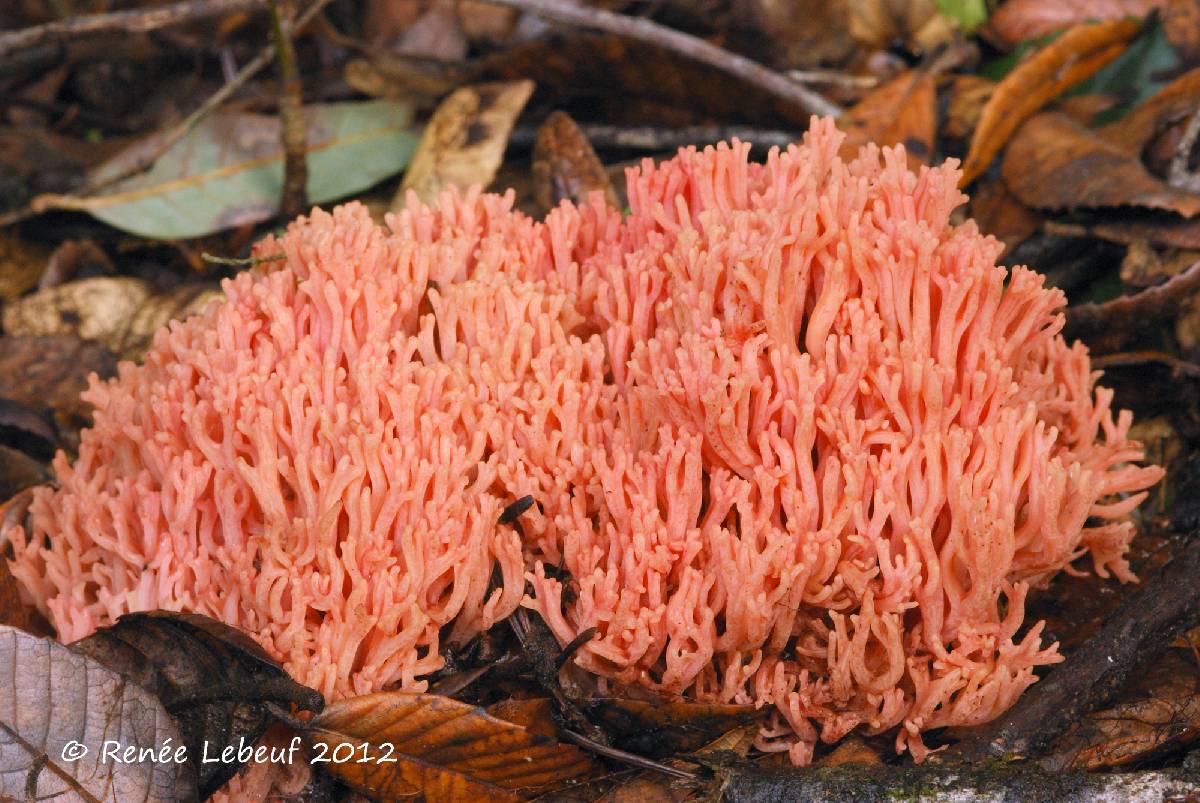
(795, 439)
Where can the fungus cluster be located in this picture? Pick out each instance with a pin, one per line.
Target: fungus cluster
(795, 440)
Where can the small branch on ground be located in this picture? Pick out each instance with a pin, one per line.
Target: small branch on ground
(294, 200)
(1166, 606)
(1140, 359)
(138, 20)
(1116, 320)
(684, 44)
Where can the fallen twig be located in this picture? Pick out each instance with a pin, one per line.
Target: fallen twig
(1126, 315)
(684, 44)
(1179, 368)
(294, 200)
(1142, 628)
(134, 21)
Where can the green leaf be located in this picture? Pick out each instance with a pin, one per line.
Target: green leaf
(229, 170)
(969, 14)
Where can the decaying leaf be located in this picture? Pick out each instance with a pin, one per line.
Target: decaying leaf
(968, 95)
(1171, 105)
(94, 309)
(917, 23)
(658, 729)
(901, 112)
(465, 139)
(1018, 20)
(1144, 265)
(1163, 710)
(72, 258)
(62, 712)
(565, 166)
(1055, 163)
(158, 310)
(1068, 60)
(229, 170)
(437, 749)
(53, 371)
(1001, 215)
(18, 471)
(1181, 25)
(213, 679)
(21, 263)
(13, 610)
(799, 33)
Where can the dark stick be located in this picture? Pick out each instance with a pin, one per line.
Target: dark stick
(135, 21)
(647, 138)
(291, 113)
(1136, 311)
(1141, 629)
(684, 44)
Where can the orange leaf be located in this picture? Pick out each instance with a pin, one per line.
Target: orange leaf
(394, 745)
(1055, 163)
(901, 112)
(1018, 20)
(1070, 59)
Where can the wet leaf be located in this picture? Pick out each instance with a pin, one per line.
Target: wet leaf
(1018, 20)
(443, 750)
(658, 729)
(1055, 163)
(53, 371)
(229, 171)
(57, 702)
(565, 167)
(901, 112)
(1065, 62)
(1161, 710)
(464, 141)
(215, 681)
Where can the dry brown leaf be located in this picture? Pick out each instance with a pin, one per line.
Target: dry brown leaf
(851, 750)
(1145, 266)
(54, 699)
(215, 680)
(799, 34)
(443, 750)
(1173, 232)
(464, 141)
(660, 729)
(1055, 163)
(917, 23)
(565, 167)
(1181, 25)
(1000, 214)
(1018, 20)
(13, 611)
(21, 263)
(649, 787)
(94, 309)
(968, 95)
(1171, 105)
(901, 112)
(1073, 57)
